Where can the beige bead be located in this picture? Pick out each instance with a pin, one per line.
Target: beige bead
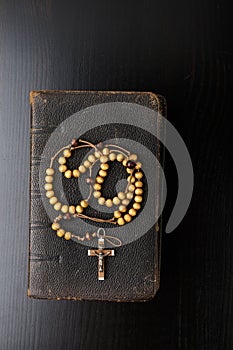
(97, 187)
(136, 206)
(104, 166)
(72, 209)
(64, 209)
(62, 160)
(50, 171)
(138, 175)
(129, 195)
(108, 203)
(55, 226)
(112, 156)
(49, 194)
(116, 200)
(127, 217)
(121, 221)
(97, 194)
(139, 191)
(132, 212)
(101, 200)
(99, 179)
(48, 187)
(57, 206)
(60, 232)
(97, 154)
(53, 200)
(125, 162)
(122, 208)
(131, 179)
(91, 158)
(62, 168)
(125, 202)
(67, 153)
(129, 171)
(82, 169)
(103, 159)
(84, 204)
(68, 174)
(67, 236)
(138, 199)
(121, 195)
(87, 164)
(138, 165)
(79, 209)
(76, 173)
(120, 157)
(105, 151)
(103, 173)
(133, 157)
(139, 184)
(117, 214)
(49, 179)
(131, 188)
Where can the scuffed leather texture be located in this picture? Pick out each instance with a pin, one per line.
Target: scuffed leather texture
(60, 269)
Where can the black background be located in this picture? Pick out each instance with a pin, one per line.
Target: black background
(182, 50)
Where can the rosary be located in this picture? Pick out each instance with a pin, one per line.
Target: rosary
(126, 204)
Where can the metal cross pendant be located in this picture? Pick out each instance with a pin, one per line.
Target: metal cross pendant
(101, 253)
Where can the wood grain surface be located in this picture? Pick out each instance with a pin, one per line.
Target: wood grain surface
(181, 50)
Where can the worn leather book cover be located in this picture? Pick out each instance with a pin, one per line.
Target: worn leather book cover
(63, 269)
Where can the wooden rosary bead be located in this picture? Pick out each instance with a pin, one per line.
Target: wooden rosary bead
(127, 217)
(84, 204)
(104, 166)
(76, 173)
(64, 209)
(57, 206)
(67, 153)
(124, 162)
(60, 232)
(97, 194)
(138, 199)
(136, 206)
(138, 165)
(103, 159)
(138, 184)
(68, 174)
(105, 151)
(48, 187)
(97, 154)
(112, 156)
(131, 188)
(108, 203)
(101, 200)
(97, 187)
(125, 202)
(138, 175)
(87, 164)
(91, 158)
(132, 212)
(49, 194)
(131, 179)
(67, 235)
(122, 208)
(133, 157)
(82, 169)
(62, 160)
(49, 179)
(72, 209)
(121, 221)
(103, 173)
(55, 226)
(62, 168)
(117, 214)
(53, 200)
(121, 195)
(99, 179)
(79, 209)
(129, 195)
(49, 171)
(139, 191)
(116, 200)
(120, 157)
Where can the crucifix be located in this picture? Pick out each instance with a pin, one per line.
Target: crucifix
(101, 253)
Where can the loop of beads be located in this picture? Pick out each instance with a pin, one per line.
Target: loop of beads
(133, 191)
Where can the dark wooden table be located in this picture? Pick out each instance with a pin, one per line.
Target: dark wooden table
(181, 50)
